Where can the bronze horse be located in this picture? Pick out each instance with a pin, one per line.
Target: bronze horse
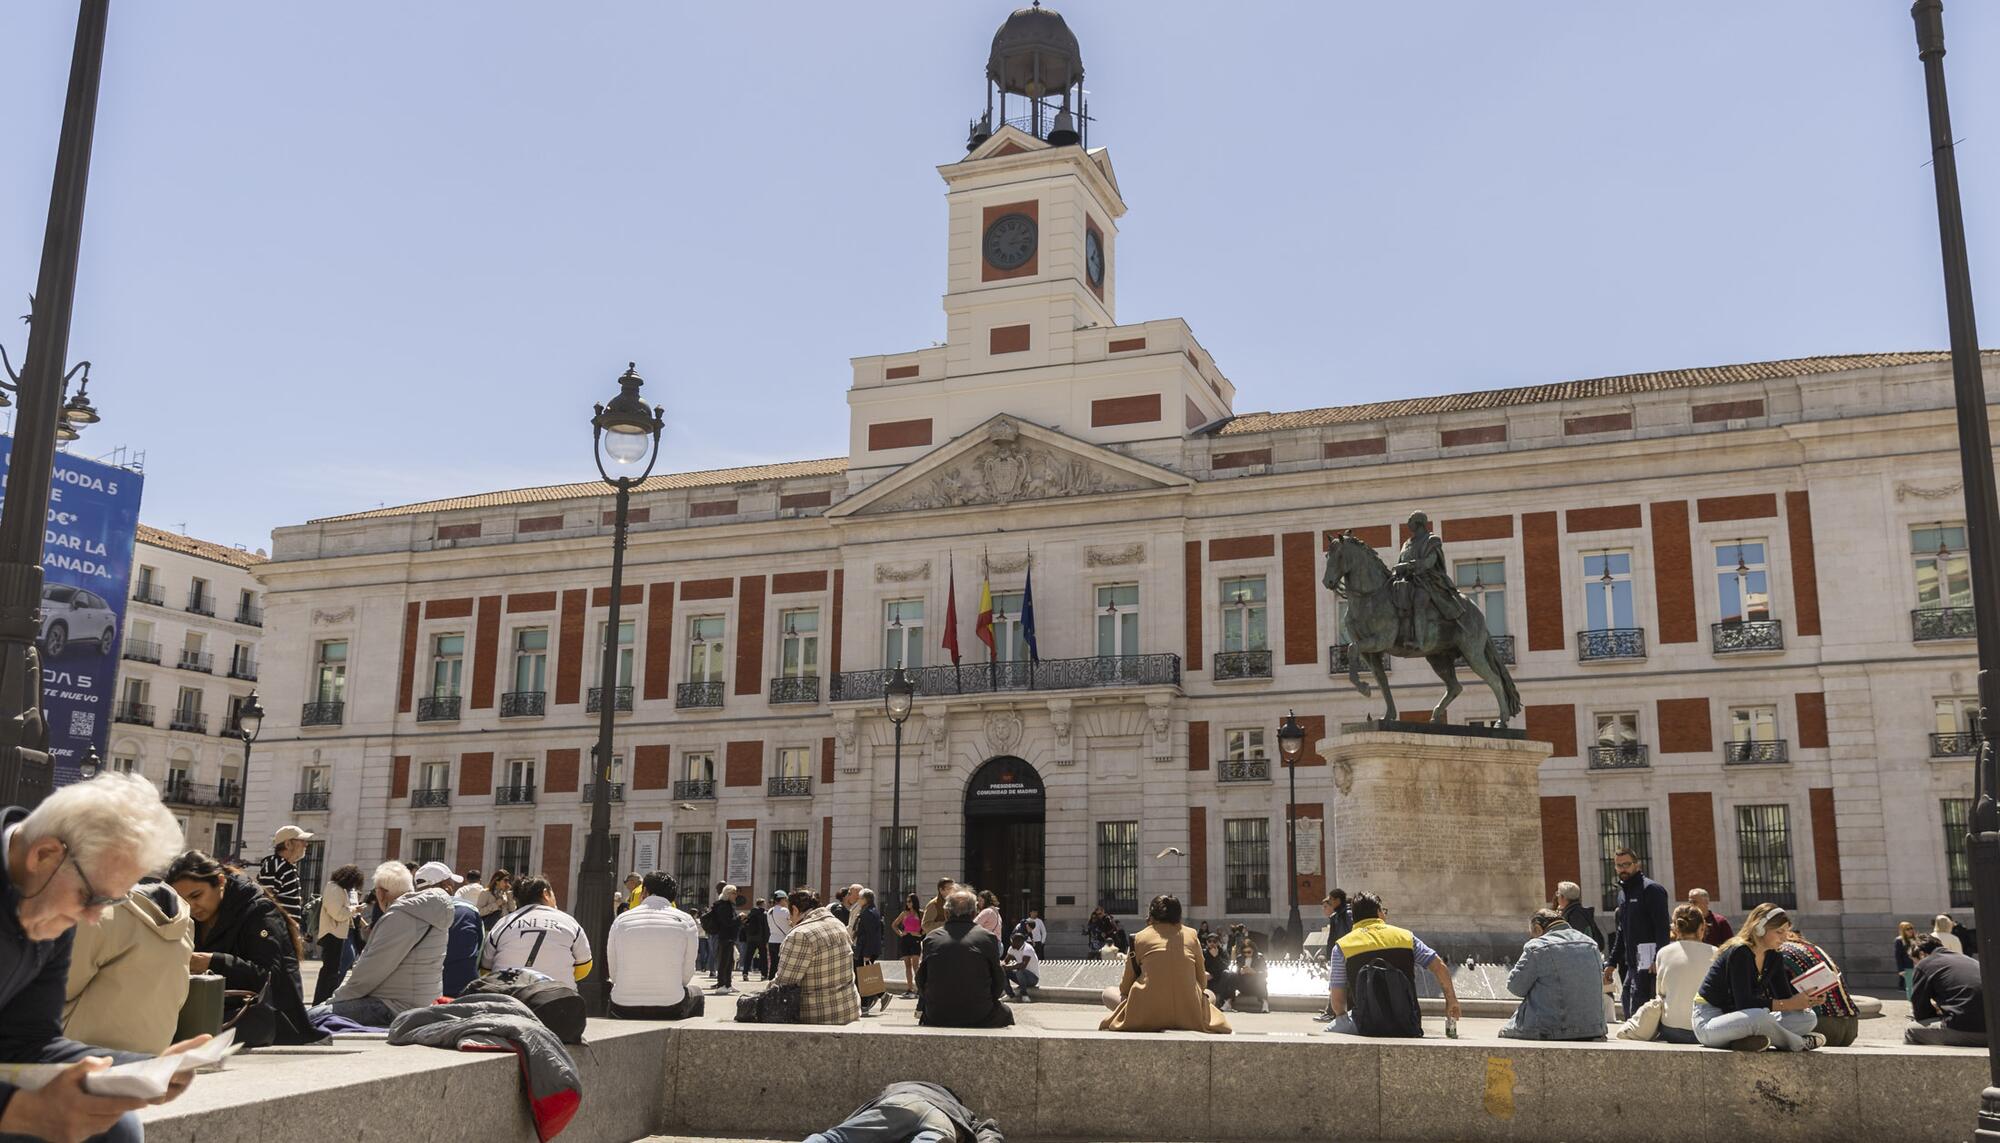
(1372, 630)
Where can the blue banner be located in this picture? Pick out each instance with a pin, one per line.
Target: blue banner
(86, 578)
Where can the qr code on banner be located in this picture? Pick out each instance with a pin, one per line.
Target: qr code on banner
(82, 724)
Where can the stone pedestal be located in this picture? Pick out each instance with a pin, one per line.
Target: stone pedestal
(1447, 830)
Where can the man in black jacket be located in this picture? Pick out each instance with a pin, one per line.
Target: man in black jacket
(1947, 998)
(1643, 930)
(721, 923)
(1576, 914)
(959, 981)
(913, 1110)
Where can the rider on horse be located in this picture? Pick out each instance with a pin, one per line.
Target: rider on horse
(1421, 563)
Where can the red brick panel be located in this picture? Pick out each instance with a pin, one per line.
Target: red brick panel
(485, 651)
(1127, 344)
(1477, 528)
(1375, 536)
(1805, 566)
(1555, 725)
(721, 588)
(458, 608)
(819, 499)
(899, 372)
(392, 846)
(471, 848)
(1191, 608)
(1812, 719)
(1684, 726)
(1826, 843)
(1719, 509)
(743, 763)
(555, 863)
(833, 635)
(1541, 550)
(1601, 423)
(1198, 857)
(561, 769)
(791, 583)
(1009, 339)
(1315, 727)
(1476, 435)
(1301, 579)
(826, 761)
(531, 601)
(1562, 857)
(750, 635)
(1691, 820)
(825, 856)
(1365, 446)
(458, 531)
(569, 647)
(1312, 886)
(1241, 547)
(1242, 459)
(988, 272)
(1602, 519)
(632, 516)
(475, 773)
(1728, 411)
(1197, 746)
(659, 682)
(885, 435)
(406, 687)
(529, 524)
(629, 595)
(651, 767)
(1143, 409)
(704, 509)
(1673, 573)
(399, 776)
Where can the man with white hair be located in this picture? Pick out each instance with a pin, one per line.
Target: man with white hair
(1577, 915)
(80, 850)
(402, 965)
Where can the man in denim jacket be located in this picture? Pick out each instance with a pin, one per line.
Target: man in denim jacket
(1557, 979)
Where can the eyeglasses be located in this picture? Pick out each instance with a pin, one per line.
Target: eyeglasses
(92, 898)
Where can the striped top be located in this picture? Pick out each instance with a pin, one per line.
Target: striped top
(281, 877)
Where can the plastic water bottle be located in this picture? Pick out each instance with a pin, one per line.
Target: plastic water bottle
(1451, 1027)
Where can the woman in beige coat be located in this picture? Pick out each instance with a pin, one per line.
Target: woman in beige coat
(128, 973)
(1165, 985)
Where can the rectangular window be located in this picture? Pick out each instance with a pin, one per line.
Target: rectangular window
(788, 859)
(189, 705)
(330, 669)
(312, 868)
(142, 588)
(435, 776)
(794, 762)
(698, 766)
(240, 663)
(447, 665)
(1118, 866)
(798, 644)
(1958, 714)
(531, 660)
(903, 633)
(315, 780)
(1957, 867)
(521, 773)
(1243, 607)
(1246, 864)
(124, 765)
(1764, 850)
(198, 597)
(1944, 566)
(1242, 745)
(1118, 619)
(890, 872)
(233, 713)
(515, 855)
(429, 849)
(135, 691)
(1616, 830)
(705, 649)
(626, 633)
(1607, 591)
(1753, 724)
(692, 854)
(1742, 581)
(1617, 728)
(1010, 643)
(1484, 582)
(225, 839)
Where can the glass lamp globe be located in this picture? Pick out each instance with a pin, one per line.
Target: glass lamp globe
(626, 446)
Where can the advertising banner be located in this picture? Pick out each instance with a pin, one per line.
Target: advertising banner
(93, 522)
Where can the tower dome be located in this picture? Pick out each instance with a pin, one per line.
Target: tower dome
(1035, 56)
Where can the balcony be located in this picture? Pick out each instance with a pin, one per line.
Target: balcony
(228, 794)
(322, 713)
(792, 787)
(197, 661)
(1243, 770)
(192, 721)
(312, 801)
(250, 615)
(149, 593)
(1962, 744)
(200, 603)
(439, 708)
(140, 651)
(798, 688)
(1611, 644)
(621, 699)
(514, 795)
(696, 695)
(136, 713)
(613, 791)
(1339, 656)
(990, 678)
(1242, 665)
(524, 704)
(695, 789)
(1621, 756)
(1746, 635)
(430, 798)
(1930, 624)
(1754, 753)
(245, 669)
(183, 792)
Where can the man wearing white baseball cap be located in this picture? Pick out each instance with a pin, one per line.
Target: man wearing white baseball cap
(461, 953)
(279, 872)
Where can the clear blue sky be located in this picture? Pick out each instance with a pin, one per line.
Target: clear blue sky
(375, 252)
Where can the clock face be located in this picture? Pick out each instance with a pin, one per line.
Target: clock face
(1093, 257)
(1010, 242)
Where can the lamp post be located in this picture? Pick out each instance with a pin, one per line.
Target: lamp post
(92, 765)
(1982, 525)
(897, 697)
(249, 721)
(627, 430)
(1292, 744)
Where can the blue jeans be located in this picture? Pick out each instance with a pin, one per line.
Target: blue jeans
(1637, 988)
(126, 1130)
(1786, 1030)
(1676, 1036)
(702, 952)
(1020, 980)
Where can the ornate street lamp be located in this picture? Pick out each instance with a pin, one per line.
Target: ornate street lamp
(627, 431)
(1291, 745)
(92, 765)
(897, 697)
(249, 723)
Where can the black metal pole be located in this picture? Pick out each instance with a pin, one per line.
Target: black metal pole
(1292, 923)
(896, 822)
(243, 794)
(25, 769)
(1982, 520)
(595, 879)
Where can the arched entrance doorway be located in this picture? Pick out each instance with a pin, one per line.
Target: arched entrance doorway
(1003, 834)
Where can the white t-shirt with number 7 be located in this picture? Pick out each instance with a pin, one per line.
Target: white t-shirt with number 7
(542, 938)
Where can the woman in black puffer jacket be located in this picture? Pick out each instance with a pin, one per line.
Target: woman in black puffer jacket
(245, 937)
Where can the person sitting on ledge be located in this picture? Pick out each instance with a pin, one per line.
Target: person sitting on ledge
(1682, 967)
(1839, 1019)
(1164, 985)
(1747, 1002)
(1557, 979)
(819, 958)
(402, 966)
(1221, 981)
(650, 956)
(1252, 990)
(959, 979)
(1378, 963)
(245, 937)
(1947, 997)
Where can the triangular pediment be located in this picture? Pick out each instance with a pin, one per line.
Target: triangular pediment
(1006, 141)
(1007, 460)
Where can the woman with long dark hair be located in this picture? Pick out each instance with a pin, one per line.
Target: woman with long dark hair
(244, 936)
(337, 906)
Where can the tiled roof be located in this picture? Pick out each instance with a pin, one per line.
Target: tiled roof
(203, 549)
(549, 492)
(1575, 390)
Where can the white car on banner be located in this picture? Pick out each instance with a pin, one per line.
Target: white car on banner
(73, 615)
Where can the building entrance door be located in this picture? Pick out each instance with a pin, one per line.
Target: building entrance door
(1003, 834)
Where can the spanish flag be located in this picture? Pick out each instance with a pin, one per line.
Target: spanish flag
(984, 627)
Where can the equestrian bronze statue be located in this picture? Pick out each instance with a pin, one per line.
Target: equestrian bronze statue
(1413, 611)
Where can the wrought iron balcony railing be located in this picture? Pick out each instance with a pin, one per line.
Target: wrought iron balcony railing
(252, 616)
(793, 787)
(1242, 665)
(197, 661)
(201, 604)
(1611, 643)
(1243, 770)
(1504, 644)
(1753, 753)
(524, 704)
(1619, 756)
(438, 708)
(795, 688)
(1747, 635)
(989, 678)
(430, 798)
(1962, 744)
(149, 593)
(141, 651)
(137, 713)
(322, 713)
(1339, 656)
(621, 699)
(228, 794)
(192, 721)
(613, 791)
(177, 792)
(245, 669)
(514, 795)
(698, 695)
(309, 801)
(186, 792)
(695, 789)
(1932, 623)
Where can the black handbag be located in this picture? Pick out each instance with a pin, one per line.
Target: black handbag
(778, 1004)
(560, 1009)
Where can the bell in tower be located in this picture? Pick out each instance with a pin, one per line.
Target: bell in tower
(1035, 56)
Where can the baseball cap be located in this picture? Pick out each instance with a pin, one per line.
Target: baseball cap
(289, 833)
(434, 873)
(778, 896)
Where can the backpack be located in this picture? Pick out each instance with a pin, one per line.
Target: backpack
(1385, 1002)
(559, 1008)
(778, 1004)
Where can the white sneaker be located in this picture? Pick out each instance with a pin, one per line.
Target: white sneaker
(1814, 1041)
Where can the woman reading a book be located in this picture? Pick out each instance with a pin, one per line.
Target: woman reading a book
(1747, 1002)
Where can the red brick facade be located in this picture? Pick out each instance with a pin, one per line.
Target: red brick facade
(569, 648)
(1805, 565)
(1301, 580)
(561, 770)
(749, 635)
(1562, 859)
(475, 774)
(1691, 825)
(1826, 843)
(652, 767)
(485, 651)
(1811, 706)
(1684, 726)
(1541, 558)
(1198, 857)
(659, 673)
(1555, 725)
(1673, 573)
(1361, 446)
(555, 863)
(1197, 758)
(743, 763)
(1142, 409)
(1191, 610)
